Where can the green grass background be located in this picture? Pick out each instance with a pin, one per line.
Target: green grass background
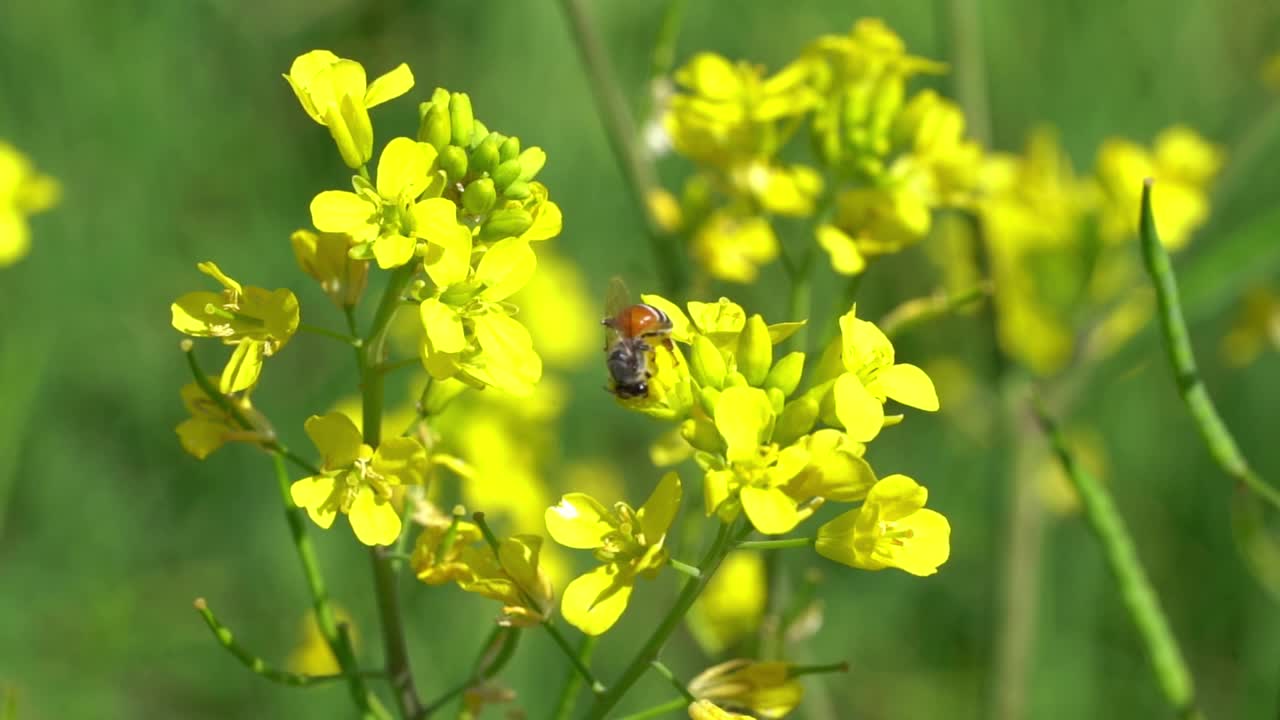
(176, 140)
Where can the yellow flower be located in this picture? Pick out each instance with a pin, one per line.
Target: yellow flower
(23, 192)
(258, 322)
(210, 427)
(707, 710)
(931, 128)
(765, 689)
(559, 312)
(324, 256)
(628, 542)
(335, 94)
(357, 480)
(387, 220)
(870, 222)
(891, 529)
(1255, 328)
(1181, 162)
(733, 603)
(515, 579)
(732, 246)
(871, 377)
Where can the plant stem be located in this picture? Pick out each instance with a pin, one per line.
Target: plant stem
(1136, 593)
(1182, 359)
(573, 680)
(798, 670)
(494, 655)
(782, 544)
(633, 159)
(671, 678)
(325, 332)
(684, 568)
(659, 710)
(921, 310)
(256, 664)
(649, 652)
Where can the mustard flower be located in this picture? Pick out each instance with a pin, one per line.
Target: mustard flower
(23, 192)
(256, 321)
(210, 427)
(873, 221)
(765, 689)
(871, 377)
(446, 550)
(707, 710)
(324, 256)
(628, 542)
(732, 605)
(891, 529)
(386, 219)
(335, 93)
(357, 480)
(733, 247)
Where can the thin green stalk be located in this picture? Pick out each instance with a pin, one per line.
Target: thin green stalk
(659, 710)
(649, 652)
(1182, 359)
(332, 334)
(341, 646)
(256, 664)
(782, 544)
(636, 164)
(495, 653)
(921, 310)
(671, 678)
(664, 48)
(573, 680)
(684, 568)
(799, 670)
(1136, 593)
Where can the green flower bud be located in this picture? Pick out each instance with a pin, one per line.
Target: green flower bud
(440, 97)
(510, 149)
(434, 129)
(423, 108)
(735, 379)
(505, 222)
(506, 173)
(707, 397)
(478, 133)
(786, 373)
(461, 118)
(755, 351)
(479, 196)
(701, 434)
(531, 162)
(706, 364)
(484, 158)
(776, 399)
(453, 160)
(518, 190)
(796, 419)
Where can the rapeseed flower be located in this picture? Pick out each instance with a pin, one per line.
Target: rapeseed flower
(891, 529)
(765, 689)
(23, 192)
(871, 376)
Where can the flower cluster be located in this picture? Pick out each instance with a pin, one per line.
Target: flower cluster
(23, 192)
(887, 160)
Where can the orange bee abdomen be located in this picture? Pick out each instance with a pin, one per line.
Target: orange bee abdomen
(641, 320)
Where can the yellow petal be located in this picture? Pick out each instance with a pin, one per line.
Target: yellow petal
(403, 168)
(579, 521)
(770, 510)
(336, 437)
(200, 437)
(15, 237)
(594, 602)
(391, 85)
(744, 417)
(929, 546)
(843, 251)
(312, 493)
(393, 250)
(443, 326)
(505, 268)
(188, 313)
(340, 211)
(374, 521)
(244, 368)
(448, 258)
(659, 510)
(861, 414)
(711, 76)
(908, 385)
(401, 460)
(897, 496)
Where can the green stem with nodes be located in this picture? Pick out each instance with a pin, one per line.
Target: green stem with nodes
(325, 332)
(256, 664)
(921, 310)
(624, 140)
(670, 677)
(782, 544)
(649, 652)
(338, 641)
(573, 680)
(1182, 359)
(659, 710)
(558, 637)
(1139, 597)
(368, 358)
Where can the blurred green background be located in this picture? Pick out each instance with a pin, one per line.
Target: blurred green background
(176, 140)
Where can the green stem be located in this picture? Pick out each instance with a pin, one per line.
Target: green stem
(573, 680)
(1173, 326)
(649, 652)
(635, 162)
(671, 678)
(685, 568)
(798, 670)
(256, 664)
(659, 710)
(921, 310)
(664, 48)
(342, 649)
(494, 655)
(325, 332)
(782, 544)
(1138, 596)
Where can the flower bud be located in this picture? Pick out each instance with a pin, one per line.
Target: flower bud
(518, 190)
(706, 363)
(434, 129)
(479, 196)
(484, 158)
(735, 379)
(785, 375)
(510, 149)
(531, 162)
(707, 397)
(701, 433)
(755, 351)
(506, 173)
(796, 419)
(776, 399)
(506, 222)
(479, 131)
(461, 119)
(453, 160)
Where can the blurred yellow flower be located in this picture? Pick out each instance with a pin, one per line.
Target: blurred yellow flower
(765, 689)
(210, 427)
(312, 655)
(335, 93)
(324, 256)
(891, 529)
(23, 192)
(1256, 327)
(559, 312)
(732, 246)
(707, 710)
(733, 603)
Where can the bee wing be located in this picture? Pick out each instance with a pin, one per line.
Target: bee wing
(616, 298)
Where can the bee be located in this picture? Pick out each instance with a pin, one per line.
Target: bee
(634, 331)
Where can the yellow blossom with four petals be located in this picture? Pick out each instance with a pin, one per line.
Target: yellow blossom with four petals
(891, 529)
